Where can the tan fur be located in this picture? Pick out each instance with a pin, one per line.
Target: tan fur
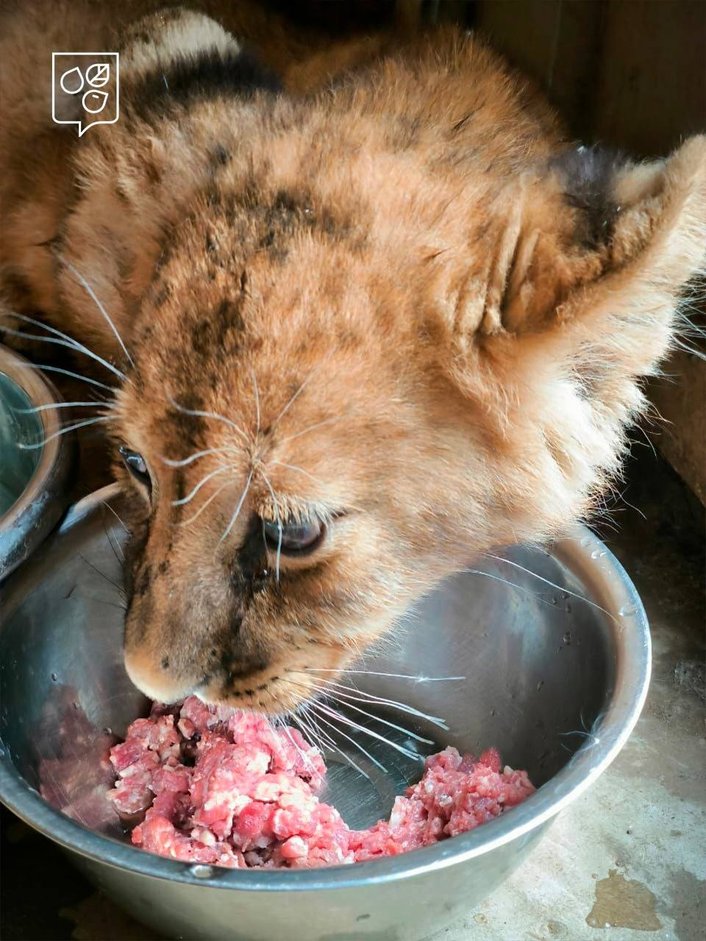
(406, 324)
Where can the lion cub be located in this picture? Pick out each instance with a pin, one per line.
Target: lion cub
(350, 338)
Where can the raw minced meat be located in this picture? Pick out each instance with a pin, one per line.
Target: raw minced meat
(215, 785)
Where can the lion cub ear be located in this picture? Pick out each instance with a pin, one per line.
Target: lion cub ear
(587, 258)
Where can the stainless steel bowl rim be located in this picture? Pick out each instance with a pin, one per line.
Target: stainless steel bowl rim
(586, 765)
(36, 508)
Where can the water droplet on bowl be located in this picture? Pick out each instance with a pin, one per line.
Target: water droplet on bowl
(54, 677)
(201, 871)
(627, 610)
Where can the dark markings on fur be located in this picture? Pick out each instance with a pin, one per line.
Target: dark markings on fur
(213, 197)
(588, 175)
(230, 637)
(187, 428)
(242, 661)
(460, 125)
(260, 582)
(53, 243)
(192, 401)
(17, 289)
(229, 314)
(202, 331)
(242, 653)
(208, 74)
(165, 253)
(168, 244)
(250, 564)
(245, 668)
(179, 485)
(134, 552)
(162, 295)
(219, 156)
(261, 223)
(217, 335)
(142, 583)
(165, 663)
(163, 567)
(125, 264)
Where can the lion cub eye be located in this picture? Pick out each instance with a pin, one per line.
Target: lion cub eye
(137, 466)
(294, 538)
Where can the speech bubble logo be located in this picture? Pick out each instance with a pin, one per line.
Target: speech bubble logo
(85, 88)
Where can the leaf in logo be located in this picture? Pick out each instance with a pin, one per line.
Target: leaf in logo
(95, 101)
(72, 81)
(98, 75)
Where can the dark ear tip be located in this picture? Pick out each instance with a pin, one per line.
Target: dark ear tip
(587, 176)
(588, 169)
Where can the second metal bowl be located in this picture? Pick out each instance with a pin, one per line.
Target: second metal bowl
(34, 460)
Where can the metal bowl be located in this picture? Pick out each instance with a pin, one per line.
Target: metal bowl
(556, 682)
(33, 475)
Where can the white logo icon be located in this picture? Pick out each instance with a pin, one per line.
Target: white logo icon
(85, 88)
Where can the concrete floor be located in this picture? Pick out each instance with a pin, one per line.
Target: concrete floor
(627, 860)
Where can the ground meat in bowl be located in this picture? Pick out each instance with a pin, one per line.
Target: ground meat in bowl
(216, 785)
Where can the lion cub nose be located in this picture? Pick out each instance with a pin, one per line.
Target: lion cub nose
(154, 678)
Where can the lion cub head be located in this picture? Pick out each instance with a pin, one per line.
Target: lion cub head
(392, 327)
